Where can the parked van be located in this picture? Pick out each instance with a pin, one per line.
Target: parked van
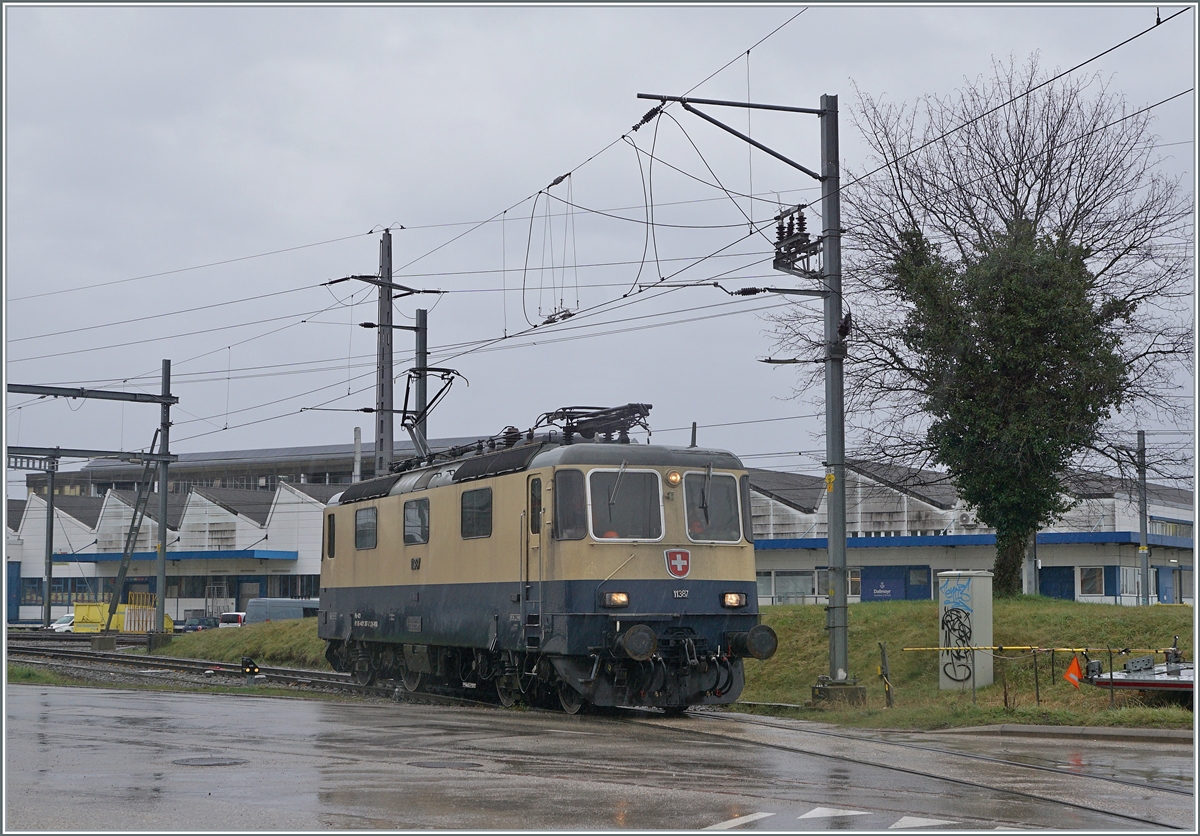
(279, 609)
(233, 619)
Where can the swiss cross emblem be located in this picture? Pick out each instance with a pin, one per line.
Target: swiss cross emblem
(679, 562)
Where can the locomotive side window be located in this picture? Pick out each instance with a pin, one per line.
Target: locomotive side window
(416, 521)
(477, 513)
(366, 529)
(625, 504)
(570, 505)
(747, 519)
(329, 540)
(711, 503)
(535, 506)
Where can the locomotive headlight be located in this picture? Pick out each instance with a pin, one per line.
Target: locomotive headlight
(673, 478)
(733, 599)
(616, 599)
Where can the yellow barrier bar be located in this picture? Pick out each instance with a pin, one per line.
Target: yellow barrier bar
(1047, 649)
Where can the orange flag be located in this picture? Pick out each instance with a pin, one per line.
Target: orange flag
(1074, 672)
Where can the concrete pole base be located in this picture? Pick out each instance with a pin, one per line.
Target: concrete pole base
(834, 692)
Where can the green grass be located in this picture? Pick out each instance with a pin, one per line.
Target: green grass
(286, 644)
(27, 675)
(803, 654)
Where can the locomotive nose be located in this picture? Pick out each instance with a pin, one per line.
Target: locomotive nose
(760, 642)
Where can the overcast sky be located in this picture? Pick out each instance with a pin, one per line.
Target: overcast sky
(180, 182)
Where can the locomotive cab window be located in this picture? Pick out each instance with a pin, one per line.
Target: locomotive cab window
(476, 513)
(416, 521)
(625, 504)
(711, 503)
(366, 531)
(329, 539)
(570, 505)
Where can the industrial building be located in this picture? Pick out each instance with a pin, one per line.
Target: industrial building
(246, 524)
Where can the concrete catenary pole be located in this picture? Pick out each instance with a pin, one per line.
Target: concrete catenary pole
(357, 477)
(384, 439)
(160, 597)
(51, 466)
(422, 369)
(1143, 548)
(835, 351)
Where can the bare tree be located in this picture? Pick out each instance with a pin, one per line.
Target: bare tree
(1072, 159)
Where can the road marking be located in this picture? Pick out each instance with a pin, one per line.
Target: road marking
(830, 812)
(913, 821)
(746, 819)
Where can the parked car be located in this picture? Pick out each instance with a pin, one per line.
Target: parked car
(233, 619)
(195, 625)
(66, 624)
(280, 609)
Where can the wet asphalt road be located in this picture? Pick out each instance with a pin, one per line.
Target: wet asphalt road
(93, 759)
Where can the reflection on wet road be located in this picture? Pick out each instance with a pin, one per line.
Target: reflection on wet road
(93, 760)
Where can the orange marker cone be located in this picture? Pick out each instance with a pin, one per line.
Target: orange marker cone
(1074, 672)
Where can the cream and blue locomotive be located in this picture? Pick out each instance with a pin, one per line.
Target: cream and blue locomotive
(573, 565)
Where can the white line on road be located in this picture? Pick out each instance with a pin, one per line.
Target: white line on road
(913, 821)
(746, 819)
(831, 812)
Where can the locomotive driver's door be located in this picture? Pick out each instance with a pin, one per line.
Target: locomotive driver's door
(532, 593)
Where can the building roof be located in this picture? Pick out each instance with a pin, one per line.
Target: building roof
(255, 505)
(16, 510)
(313, 457)
(321, 493)
(926, 485)
(796, 490)
(1100, 485)
(86, 509)
(175, 503)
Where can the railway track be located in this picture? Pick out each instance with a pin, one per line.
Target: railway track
(42, 647)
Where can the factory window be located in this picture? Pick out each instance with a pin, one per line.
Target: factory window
(476, 513)
(765, 587)
(792, 586)
(1091, 580)
(416, 521)
(853, 585)
(625, 504)
(366, 532)
(31, 591)
(329, 539)
(570, 506)
(711, 507)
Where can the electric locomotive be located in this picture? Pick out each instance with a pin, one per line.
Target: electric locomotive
(573, 565)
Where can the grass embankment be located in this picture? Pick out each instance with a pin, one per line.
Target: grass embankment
(803, 654)
(285, 644)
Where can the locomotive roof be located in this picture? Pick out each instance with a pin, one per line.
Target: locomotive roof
(635, 454)
(532, 457)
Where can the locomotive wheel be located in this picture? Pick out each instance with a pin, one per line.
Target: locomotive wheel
(410, 679)
(572, 701)
(363, 673)
(507, 695)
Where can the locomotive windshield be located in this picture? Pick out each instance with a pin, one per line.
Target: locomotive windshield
(712, 507)
(625, 504)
